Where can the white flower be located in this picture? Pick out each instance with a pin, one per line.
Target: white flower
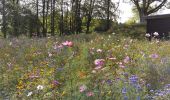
(147, 35)
(49, 54)
(113, 33)
(40, 87)
(99, 50)
(10, 43)
(29, 94)
(93, 71)
(155, 34)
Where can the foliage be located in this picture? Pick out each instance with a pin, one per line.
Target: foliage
(135, 31)
(55, 17)
(84, 67)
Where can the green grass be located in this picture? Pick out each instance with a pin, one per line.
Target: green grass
(27, 63)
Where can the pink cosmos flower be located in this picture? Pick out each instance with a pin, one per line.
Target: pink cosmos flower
(154, 56)
(125, 46)
(99, 62)
(89, 94)
(67, 43)
(121, 65)
(98, 67)
(127, 59)
(60, 46)
(82, 88)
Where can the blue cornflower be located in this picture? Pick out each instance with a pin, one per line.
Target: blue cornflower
(133, 79)
(138, 98)
(109, 81)
(124, 90)
(138, 88)
(60, 69)
(125, 98)
(148, 85)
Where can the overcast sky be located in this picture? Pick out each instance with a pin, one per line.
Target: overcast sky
(126, 11)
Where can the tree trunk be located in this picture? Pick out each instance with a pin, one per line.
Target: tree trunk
(47, 14)
(37, 20)
(44, 30)
(61, 20)
(51, 17)
(53, 14)
(78, 18)
(15, 20)
(108, 14)
(4, 19)
(88, 23)
(142, 15)
(89, 15)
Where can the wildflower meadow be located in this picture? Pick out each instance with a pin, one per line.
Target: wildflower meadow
(84, 67)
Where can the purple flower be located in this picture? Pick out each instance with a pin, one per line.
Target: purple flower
(167, 86)
(126, 59)
(60, 69)
(138, 98)
(125, 74)
(109, 81)
(148, 85)
(138, 87)
(124, 90)
(55, 82)
(133, 79)
(154, 56)
(125, 98)
(99, 62)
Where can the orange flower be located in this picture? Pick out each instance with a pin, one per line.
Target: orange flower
(82, 74)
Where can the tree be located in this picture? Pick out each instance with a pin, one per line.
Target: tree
(52, 17)
(37, 15)
(77, 15)
(43, 12)
(15, 12)
(108, 14)
(4, 24)
(88, 9)
(106, 10)
(147, 7)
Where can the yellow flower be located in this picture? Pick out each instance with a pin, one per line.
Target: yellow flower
(109, 92)
(20, 85)
(63, 93)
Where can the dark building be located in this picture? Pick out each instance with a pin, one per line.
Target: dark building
(160, 24)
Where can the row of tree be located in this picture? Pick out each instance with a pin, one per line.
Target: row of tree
(43, 17)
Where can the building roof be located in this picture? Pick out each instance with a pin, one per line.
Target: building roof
(158, 16)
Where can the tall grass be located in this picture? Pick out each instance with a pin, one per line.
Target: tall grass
(52, 69)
